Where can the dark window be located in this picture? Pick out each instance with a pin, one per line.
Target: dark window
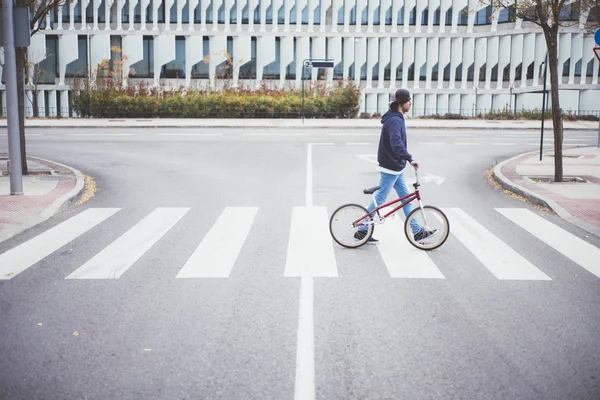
(458, 75)
(47, 70)
(449, 17)
(482, 73)
(447, 72)
(248, 70)
(176, 68)
(566, 67)
(201, 70)
(145, 67)
(271, 71)
(79, 67)
(463, 16)
(529, 72)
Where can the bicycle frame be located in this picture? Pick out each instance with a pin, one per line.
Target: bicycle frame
(416, 195)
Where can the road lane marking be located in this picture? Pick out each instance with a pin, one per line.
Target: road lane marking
(218, 251)
(572, 247)
(310, 248)
(401, 258)
(494, 254)
(121, 254)
(189, 134)
(18, 259)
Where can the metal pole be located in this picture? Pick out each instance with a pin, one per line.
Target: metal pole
(302, 78)
(543, 106)
(12, 114)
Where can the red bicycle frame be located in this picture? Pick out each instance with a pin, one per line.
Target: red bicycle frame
(416, 195)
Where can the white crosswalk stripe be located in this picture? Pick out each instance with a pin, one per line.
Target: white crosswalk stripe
(18, 259)
(496, 256)
(401, 258)
(310, 247)
(217, 253)
(560, 240)
(115, 259)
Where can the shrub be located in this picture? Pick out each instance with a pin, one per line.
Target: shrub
(103, 99)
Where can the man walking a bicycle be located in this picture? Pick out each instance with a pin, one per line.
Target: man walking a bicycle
(393, 156)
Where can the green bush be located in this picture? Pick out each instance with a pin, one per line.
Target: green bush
(99, 100)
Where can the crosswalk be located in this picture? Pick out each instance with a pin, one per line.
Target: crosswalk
(310, 250)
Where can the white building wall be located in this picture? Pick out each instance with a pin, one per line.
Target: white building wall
(386, 44)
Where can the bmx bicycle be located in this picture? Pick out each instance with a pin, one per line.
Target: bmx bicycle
(349, 218)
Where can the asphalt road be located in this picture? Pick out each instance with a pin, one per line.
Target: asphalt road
(342, 329)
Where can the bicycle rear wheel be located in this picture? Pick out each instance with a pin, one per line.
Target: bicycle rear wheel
(342, 230)
(433, 221)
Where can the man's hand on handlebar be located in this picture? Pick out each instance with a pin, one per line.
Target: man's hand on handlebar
(415, 165)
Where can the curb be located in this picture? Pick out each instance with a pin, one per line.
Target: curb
(66, 198)
(539, 199)
(375, 126)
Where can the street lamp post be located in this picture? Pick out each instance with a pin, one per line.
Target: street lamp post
(89, 53)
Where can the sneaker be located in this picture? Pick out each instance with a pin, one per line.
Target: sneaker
(360, 235)
(422, 234)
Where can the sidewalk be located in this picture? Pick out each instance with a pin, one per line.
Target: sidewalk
(577, 202)
(49, 187)
(414, 123)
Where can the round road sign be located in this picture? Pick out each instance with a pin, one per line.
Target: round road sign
(597, 37)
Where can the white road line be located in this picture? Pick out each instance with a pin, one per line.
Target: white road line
(121, 254)
(18, 259)
(310, 248)
(309, 228)
(467, 144)
(189, 134)
(503, 144)
(496, 256)
(433, 143)
(99, 134)
(559, 239)
(304, 388)
(276, 134)
(358, 144)
(34, 134)
(353, 134)
(401, 259)
(218, 251)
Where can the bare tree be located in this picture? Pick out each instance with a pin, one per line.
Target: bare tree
(550, 16)
(38, 10)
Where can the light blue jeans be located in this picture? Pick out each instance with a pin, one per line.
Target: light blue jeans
(386, 182)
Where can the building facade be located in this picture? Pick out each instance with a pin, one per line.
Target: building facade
(455, 56)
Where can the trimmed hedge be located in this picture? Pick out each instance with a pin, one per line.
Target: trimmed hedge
(141, 101)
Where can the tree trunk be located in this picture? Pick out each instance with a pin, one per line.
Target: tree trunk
(551, 41)
(21, 53)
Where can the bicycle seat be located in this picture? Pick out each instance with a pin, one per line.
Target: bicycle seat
(371, 190)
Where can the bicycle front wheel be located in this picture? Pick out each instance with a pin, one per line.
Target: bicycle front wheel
(434, 226)
(344, 232)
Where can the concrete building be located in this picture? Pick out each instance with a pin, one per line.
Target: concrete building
(455, 56)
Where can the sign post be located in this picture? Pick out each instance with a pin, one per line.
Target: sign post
(15, 33)
(597, 53)
(313, 63)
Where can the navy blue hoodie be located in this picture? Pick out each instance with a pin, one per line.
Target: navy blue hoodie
(392, 153)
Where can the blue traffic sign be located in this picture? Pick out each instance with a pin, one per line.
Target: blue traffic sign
(597, 37)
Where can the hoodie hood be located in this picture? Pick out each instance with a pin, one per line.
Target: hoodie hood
(391, 114)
